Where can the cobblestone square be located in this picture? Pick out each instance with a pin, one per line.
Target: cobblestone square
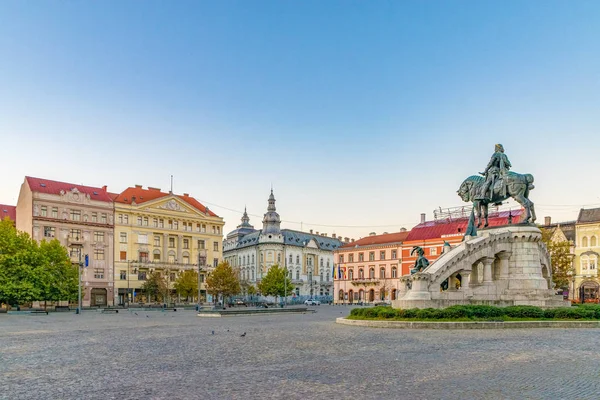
(174, 355)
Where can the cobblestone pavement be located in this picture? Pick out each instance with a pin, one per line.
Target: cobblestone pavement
(174, 355)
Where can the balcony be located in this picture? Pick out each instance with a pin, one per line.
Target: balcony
(297, 281)
(163, 265)
(75, 240)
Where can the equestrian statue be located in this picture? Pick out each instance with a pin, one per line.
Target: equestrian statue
(496, 185)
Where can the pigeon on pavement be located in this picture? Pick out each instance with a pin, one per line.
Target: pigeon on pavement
(243, 334)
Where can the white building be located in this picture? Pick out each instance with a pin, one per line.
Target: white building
(308, 257)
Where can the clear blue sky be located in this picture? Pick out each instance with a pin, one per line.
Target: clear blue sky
(360, 113)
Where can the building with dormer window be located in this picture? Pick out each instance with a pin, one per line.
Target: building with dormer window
(308, 257)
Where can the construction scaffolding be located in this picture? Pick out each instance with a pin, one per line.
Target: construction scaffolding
(461, 212)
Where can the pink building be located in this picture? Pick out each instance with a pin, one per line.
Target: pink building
(368, 269)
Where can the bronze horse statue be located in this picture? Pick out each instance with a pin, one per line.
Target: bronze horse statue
(517, 187)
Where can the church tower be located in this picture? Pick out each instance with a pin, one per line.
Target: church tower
(271, 220)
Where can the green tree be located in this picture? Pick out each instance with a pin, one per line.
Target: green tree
(274, 282)
(186, 284)
(56, 275)
(223, 281)
(561, 258)
(251, 290)
(155, 286)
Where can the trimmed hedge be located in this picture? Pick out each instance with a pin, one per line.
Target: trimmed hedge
(478, 313)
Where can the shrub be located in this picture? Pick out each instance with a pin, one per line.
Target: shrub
(524, 312)
(573, 313)
(371, 312)
(455, 312)
(484, 311)
(550, 313)
(387, 312)
(426, 313)
(408, 314)
(357, 312)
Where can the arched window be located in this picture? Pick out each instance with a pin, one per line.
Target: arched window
(327, 263)
(351, 274)
(156, 255)
(593, 263)
(585, 263)
(186, 257)
(394, 272)
(371, 273)
(291, 259)
(297, 259)
(321, 261)
(298, 275)
(261, 257)
(382, 273)
(171, 258)
(393, 294)
(341, 295)
(252, 258)
(361, 273)
(584, 242)
(252, 273)
(279, 257)
(244, 260)
(240, 260)
(593, 241)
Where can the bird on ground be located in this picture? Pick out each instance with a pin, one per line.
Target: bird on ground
(227, 330)
(213, 332)
(147, 316)
(135, 313)
(243, 334)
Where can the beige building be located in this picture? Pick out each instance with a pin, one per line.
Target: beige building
(162, 232)
(81, 218)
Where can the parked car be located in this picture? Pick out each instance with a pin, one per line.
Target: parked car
(311, 302)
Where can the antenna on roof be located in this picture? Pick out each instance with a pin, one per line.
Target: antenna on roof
(171, 191)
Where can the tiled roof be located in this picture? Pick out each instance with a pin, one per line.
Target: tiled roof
(297, 238)
(567, 228)
(8, 211)
(397, 237)
(437, 229)
(589, 215)
(143, 195)
(40, 185)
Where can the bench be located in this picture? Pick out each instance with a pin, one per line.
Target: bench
(106, 310)
(62, 308)
(38, 312)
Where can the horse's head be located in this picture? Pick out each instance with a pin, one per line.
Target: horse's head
(464, 192)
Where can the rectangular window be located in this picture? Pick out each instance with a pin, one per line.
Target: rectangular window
(120, 218)
(171, 259)
(175, 225)
(341, 258)
(218, 230)
(145, 221)
(98, 254)
(94, 217)
(123, 256)
(382, 255)
(172, 243)
(123, 237)
(75, 215)
(433, 251)
(350, 257)
(201, 245)
(197, 227)
(157, 241)
(161, 223)
(76, 234)
(172, 276)
(139, 221)
(361, 257)
(186, 259)
(216, 246)
(141, 276)
(215, 262)
(394, 254)
(155, 223)
(143, 256)
(156, 257)
(126, 219)
(44, 211)
(142, 238)
(170, 224)
(74, 252)
(203, 228)
(185, 226)
(54, 212)
(99, 237)
(371, 256)
(123, 275)
(49, 231)
(103, 218)
(186, 243)
(98, 273)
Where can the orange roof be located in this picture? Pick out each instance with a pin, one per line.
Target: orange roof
(41, 185)
(141, 195)
(378, 239)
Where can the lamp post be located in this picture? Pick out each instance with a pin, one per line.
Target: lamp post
(201, 263)
(79, 264)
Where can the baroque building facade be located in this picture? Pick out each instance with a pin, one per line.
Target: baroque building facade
(587, 253)
(165, 233)
(81, 218)
(307, 257)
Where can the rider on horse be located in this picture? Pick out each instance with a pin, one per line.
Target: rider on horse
(496, 169)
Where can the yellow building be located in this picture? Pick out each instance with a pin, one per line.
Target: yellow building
(587, 251)
(162, 232)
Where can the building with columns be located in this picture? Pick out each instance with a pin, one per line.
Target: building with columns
(81, 218)
(308, 257)
(586, 283)
(162, 232)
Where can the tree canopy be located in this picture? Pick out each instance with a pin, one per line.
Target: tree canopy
(223, 281)
(155, 286)
(30, 271)
(561, 258)
(187, 284)
(274, 282)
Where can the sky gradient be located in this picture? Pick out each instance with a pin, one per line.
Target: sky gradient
(360, 114)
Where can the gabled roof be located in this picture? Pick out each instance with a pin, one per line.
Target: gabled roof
(567, 228)
(397, 237)
(589, 215)
(8, 211)
(437, 229)
(142, 195)
(40, 185)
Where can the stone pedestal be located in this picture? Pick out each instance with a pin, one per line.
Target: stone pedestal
(420, 287)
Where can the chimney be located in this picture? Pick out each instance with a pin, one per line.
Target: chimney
(422, 217)
(153, 188)
(317, 233)
(347, 240)
(547, 220)
(333, 236)
(186, 195)
(352, 240)
(104, 188)
(311, 231)
(372, 234)
(402, 229)
(325, 234)
(138, 186)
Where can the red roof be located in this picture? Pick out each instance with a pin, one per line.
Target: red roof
(142, 195)
(40, 185)
(378, 239)
(8, 211)
(437, 229)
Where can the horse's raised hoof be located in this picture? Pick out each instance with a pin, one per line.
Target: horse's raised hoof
(485, 226)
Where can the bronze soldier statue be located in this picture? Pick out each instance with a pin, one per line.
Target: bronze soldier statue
(421, 262)
(495, 170)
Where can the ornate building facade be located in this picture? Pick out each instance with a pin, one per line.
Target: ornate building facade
(81, 218)
(587, 253)
(165, 233)
(308, 257)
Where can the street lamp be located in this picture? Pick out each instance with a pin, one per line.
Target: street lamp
(201, 263)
